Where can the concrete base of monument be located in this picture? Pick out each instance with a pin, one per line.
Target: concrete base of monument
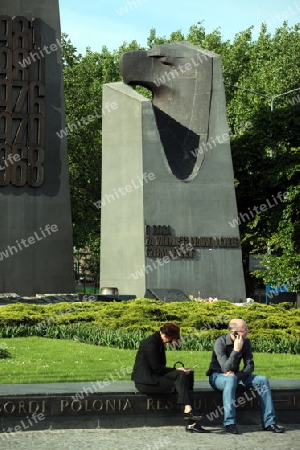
(45, 299)
(107, 404)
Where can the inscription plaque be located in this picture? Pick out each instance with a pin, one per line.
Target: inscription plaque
(160, 242)
(22, 103)
(98, 403)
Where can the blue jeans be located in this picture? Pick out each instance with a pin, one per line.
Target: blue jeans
(261, 389)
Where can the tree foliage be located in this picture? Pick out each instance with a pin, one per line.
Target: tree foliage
(265, 141)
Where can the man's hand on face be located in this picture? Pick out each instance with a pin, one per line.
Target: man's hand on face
(238, 343)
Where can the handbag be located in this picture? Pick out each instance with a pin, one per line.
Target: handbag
(190, 375)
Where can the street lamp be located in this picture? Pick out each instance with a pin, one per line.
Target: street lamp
(263, 95)
(279, 95)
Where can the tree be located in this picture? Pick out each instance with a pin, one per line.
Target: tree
(266, 157)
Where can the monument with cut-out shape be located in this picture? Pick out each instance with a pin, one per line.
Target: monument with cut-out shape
(168, 194)
(36, 249)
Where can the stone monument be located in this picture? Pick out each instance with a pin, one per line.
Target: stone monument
(35, 225)
(168, 196)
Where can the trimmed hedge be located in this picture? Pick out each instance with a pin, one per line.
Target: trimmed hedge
(274, 328)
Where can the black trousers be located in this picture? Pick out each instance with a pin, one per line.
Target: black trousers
(171, 382)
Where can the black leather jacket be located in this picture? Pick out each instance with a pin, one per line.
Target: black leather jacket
(150, 361)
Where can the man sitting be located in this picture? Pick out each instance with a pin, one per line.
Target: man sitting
(225, 375)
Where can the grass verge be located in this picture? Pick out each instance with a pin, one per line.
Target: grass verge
(43, 360)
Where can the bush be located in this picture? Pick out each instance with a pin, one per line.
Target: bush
(4, 352)
(274, 328)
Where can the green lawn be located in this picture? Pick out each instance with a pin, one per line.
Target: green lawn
(41, 360)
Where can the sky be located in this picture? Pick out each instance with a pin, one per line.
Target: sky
(94, 23)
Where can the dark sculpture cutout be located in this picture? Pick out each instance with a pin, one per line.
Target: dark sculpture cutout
(179, 75)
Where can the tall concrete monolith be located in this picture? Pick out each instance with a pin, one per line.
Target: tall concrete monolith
(35, 222)
(168, 199)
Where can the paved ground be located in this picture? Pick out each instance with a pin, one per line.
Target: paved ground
(160, 438)
(141, 438)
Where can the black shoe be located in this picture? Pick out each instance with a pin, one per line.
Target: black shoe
(232, 429)
(192, 415)
(195, 429)
(274, 428)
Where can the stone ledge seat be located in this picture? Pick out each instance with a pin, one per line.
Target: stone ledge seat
(118, 404)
